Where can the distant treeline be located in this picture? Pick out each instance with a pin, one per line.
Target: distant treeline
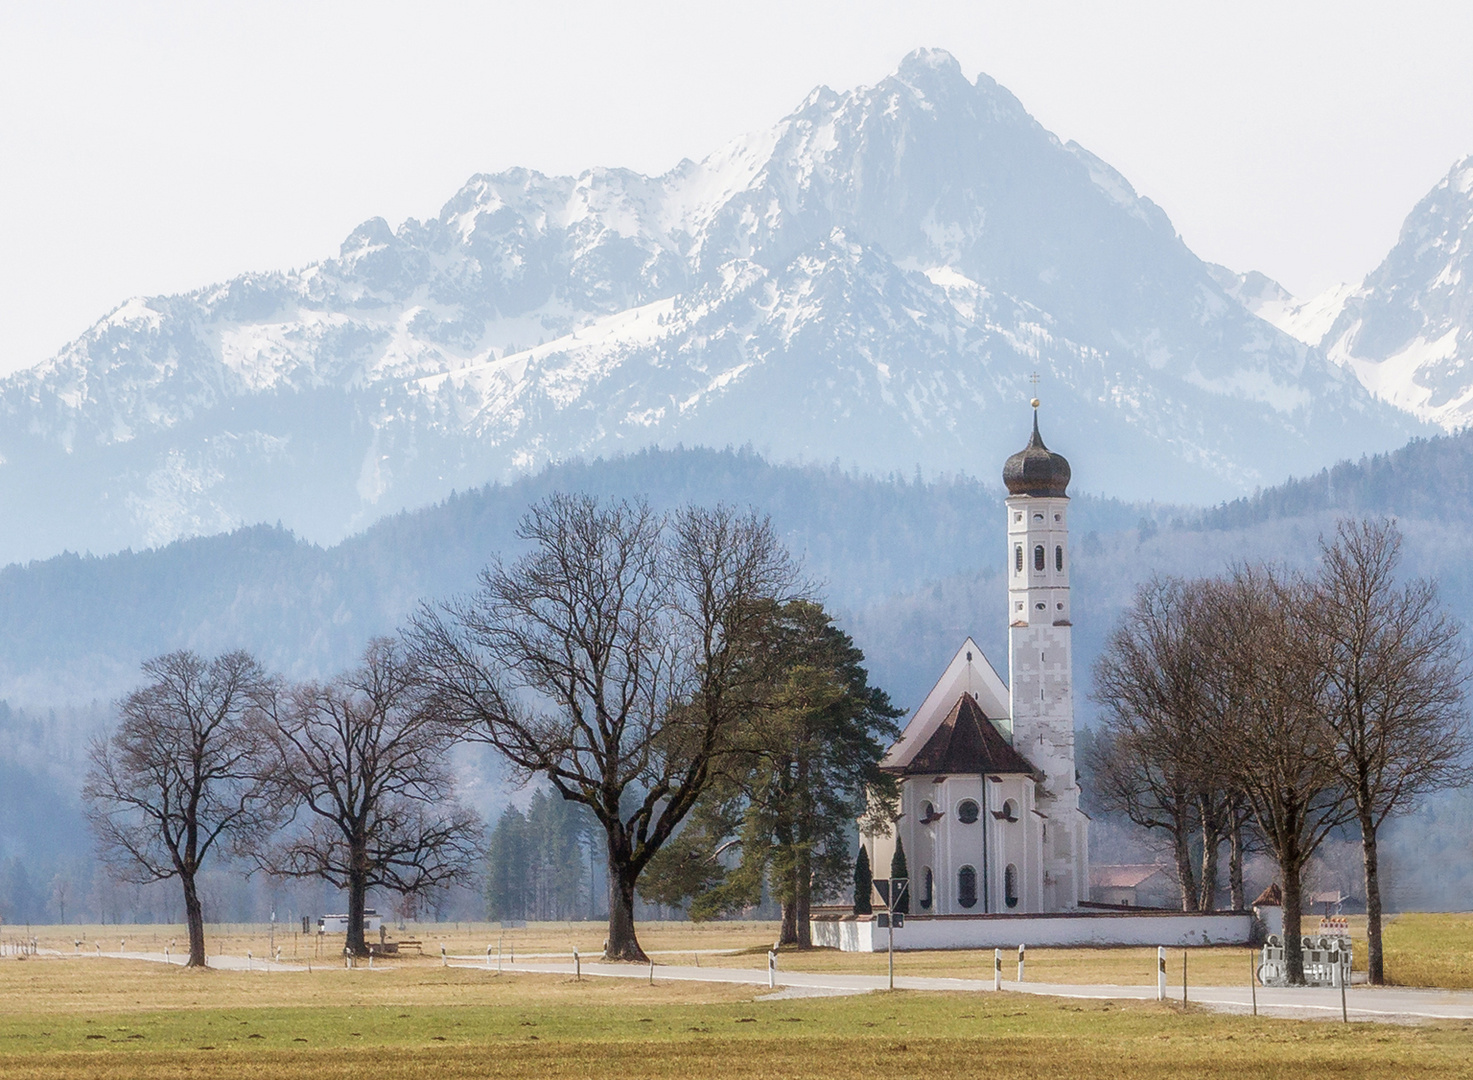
(1427, 478)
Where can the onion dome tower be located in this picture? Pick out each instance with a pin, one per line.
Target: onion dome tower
(1040, 656)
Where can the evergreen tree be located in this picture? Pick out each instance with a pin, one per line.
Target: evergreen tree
(863, 884)
(800, 774)
(899, 872)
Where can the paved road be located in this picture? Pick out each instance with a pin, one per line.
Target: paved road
(1362, 1003)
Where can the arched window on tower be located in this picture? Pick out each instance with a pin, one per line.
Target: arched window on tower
(1059, 558)
(1018, 559)
(966, 887)
(927, 887)
(1038, 558)
(1010, 886)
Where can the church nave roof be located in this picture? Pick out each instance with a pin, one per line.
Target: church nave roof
(966, 742)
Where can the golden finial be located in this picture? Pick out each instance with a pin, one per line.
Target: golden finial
(1034, 403)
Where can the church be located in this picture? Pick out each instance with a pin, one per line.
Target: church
(989, 813)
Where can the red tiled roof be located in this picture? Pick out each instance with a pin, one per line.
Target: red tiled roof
(1272, 896)
(967, 742)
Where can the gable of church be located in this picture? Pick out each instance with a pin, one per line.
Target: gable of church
(966, 742)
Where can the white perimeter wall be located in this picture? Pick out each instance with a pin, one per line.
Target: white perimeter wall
(1010, 931)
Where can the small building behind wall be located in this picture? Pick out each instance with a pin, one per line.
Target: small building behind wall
(1143, 885)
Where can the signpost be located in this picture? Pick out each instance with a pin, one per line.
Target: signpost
(889, 892)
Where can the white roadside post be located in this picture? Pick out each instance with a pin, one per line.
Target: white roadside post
(1160, 973)
(771, 969)
(577, 965)
(997, 969)
(444, 960)
(1022, 951)
(488, 957)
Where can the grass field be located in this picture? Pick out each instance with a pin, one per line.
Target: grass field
(75, 1017)
(111, 1018)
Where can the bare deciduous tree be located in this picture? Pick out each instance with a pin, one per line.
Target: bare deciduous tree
(364, 759)
(615, 660)
(176, 778)
(1268, 729)
(1396, 683)
(1148, 760)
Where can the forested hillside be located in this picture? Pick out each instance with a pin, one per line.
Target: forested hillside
(910, 567)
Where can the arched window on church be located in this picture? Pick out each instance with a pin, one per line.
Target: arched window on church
(966, 887)
(1059, 558)
(927, 887)
(1038, 557)
(1018, 559)
(1010, 886)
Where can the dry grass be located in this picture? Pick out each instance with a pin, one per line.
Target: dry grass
(64, 1019)
(1429, 950)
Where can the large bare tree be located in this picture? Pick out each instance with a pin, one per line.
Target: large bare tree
(176, 779)
(1149, 759)
(615, 660)
(1396, 683)
(1269, 701)
(363, 762)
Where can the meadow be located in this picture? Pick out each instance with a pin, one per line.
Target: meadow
(69, 1016)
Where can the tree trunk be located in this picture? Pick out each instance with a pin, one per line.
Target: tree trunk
(1184, 874)
(194, 918)
(787, 933)
(357, 900)
(622, 943)
(1293, 921)
(1375, 964)
(803, 896)
(1237, 898)
(1211, 841)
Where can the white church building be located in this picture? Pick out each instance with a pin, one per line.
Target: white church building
(996, 845)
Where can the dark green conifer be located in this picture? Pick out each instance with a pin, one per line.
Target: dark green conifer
(863, 880)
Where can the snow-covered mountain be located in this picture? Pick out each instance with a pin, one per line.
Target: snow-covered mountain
(870, 281)
(1407, 332)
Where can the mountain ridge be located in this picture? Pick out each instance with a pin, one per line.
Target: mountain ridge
(871, 280)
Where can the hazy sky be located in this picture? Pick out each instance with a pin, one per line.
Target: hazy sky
(155, 147)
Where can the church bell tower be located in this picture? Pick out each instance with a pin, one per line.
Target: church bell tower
(1040, 656)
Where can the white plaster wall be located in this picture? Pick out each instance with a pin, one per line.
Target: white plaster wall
(1010, 931)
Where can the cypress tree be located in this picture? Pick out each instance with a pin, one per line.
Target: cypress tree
(898, 870)
(863, 879)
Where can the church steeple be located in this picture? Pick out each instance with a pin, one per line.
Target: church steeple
(1040, 652)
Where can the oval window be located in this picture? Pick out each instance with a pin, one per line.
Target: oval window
(1010, 885)
(1010, 810)
(967, 813)
(1038, 557)
(966, 887)
(928, 812)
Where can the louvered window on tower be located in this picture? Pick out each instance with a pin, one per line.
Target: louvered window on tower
(1018, 559)
(1059, 558)
(1038, 557)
